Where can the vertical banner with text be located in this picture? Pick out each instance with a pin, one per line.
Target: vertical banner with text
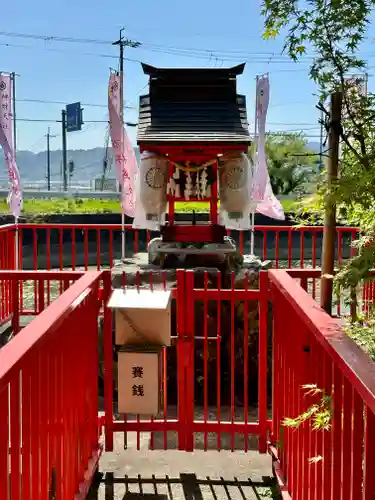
(260, 166)
(262, 193)
(123, 151)
(7, 143)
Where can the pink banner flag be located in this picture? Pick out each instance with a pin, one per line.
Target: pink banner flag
(126, 163)
(7, 143)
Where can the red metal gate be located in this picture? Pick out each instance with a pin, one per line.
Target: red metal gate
(192, 361)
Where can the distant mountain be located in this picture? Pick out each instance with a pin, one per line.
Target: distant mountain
(33, 166)
(88, 164)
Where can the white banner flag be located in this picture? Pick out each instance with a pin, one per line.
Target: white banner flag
(270, 205)
(7, 143)
(262, 194)
(260, 164)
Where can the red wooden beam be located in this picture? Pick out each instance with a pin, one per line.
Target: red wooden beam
(194, 151)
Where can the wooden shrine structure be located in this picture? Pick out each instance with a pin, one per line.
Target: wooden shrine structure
(193, 117)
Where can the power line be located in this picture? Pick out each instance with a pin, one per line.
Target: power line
(70, 52)
(293, 124)
(186, 33)
(226, 56)
(36, 144)
(131, 124)
(150, 46)
(54, 38)
(43, 101)
(202, 53)
(206, 57)
(77, 169)
(197, 53)
(180, 54)
(90, 127)
(63, 103)
(42, 120)
(54, 121)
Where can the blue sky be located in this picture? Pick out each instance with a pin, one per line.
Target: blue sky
(191, 34)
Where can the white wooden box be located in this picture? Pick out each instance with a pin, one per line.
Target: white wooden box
(142, 317)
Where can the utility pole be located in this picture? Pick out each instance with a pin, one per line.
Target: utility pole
(48, 162)
(64, 151)
(329, 233)
(49, 137)
(123, 42)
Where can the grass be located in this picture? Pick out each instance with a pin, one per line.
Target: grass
(100, 206)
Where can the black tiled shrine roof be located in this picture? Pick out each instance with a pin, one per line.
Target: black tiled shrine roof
(193, 105)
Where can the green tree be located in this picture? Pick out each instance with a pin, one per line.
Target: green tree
(331, 33)
(291, 164)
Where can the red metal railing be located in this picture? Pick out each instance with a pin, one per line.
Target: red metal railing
(81, 246)
(49, 399)
(30, 292)
(309, 347)
(69, 246)
(236, 341)
(202, 368)
(363, 295)
(368, 295)
(7, 261)
(50, 426)
(59, 246)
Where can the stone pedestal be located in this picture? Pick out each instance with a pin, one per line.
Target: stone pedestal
(137, 270)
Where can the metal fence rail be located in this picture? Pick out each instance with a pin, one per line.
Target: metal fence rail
(222, 341)
(7, 261)
(310, 348)
(49, 399)
(68, 246)
(30, 292)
